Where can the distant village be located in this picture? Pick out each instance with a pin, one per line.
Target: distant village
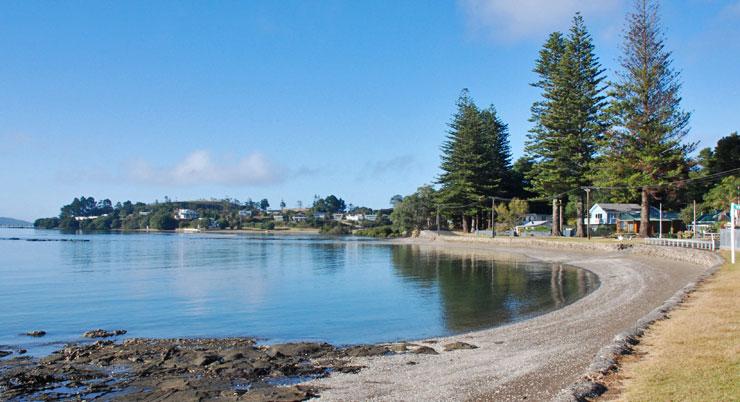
(329, 214)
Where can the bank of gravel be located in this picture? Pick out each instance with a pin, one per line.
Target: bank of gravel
(536, 359)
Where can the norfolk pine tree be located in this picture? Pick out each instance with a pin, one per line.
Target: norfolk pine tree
(569, 122)
(542, 146)
(645, 148)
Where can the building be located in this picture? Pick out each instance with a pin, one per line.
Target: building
(320, 215)
(296, 210)
(245, 213)
(371, 217)
(629, 222)
(278, 218)
(534, 217)
(534, 227)
(86, 218)
(186, 214)
(338, 217)
(608, 213)
(298, 218)
(708, 222)
(354, 217)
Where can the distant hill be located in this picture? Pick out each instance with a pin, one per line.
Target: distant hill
(13, 222)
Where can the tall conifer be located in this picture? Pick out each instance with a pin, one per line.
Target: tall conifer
(476, 161)
(646, 145)
(569, 120)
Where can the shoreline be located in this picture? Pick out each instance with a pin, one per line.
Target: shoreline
(552, 350)
(542, 357)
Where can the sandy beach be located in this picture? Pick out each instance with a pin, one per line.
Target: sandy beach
(537, 358)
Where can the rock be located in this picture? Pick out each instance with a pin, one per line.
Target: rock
(367, 350)
(4, 353)
(278, 394)
(233, 356)
(349, 369)
(206, 359)
(101, 333)
(425, 350)
(459, 345)
(401, 347)
(303, 349)
(36, 333)
(22, 351)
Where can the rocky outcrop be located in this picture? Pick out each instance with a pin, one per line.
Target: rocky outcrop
(101, 333)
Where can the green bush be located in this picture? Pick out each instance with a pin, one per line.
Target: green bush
(382, 232)
(335, 228)
(46, 223)
(163, 221)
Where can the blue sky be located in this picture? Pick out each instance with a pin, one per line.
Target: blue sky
(141, 100)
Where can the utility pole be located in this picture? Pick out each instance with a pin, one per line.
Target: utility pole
(660, 229)
(437, 220)
(694, 219)
(588, 211)
(493, 216)
(560, 213)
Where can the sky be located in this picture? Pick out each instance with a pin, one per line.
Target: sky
(139, 100)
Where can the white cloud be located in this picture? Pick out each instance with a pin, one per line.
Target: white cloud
(199, 168)
(511, 20)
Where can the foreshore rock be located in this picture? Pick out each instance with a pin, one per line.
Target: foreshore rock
(36, 334)
(185, 369)
(459, 345)
(101, 333)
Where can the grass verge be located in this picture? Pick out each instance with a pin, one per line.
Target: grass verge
(694, 355)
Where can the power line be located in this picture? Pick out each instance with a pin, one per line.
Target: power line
(482, 202)
(669, 184)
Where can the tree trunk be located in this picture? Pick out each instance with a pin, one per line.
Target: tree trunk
(580, 232)
(465, 228)
(555, 218)
(645, 214)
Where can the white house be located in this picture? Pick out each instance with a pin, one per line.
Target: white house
(533, 217)
(298, 218)
(531, 225)
(354, 217)
(320, 215)
(608, 213)
(186, 214)
(85, 218)
(245, 213)
(337, 217)
(371, 217)
(278, 218)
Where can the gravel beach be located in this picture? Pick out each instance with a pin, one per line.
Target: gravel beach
(536, 358)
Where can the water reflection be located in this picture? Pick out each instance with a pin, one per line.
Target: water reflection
(477, 292)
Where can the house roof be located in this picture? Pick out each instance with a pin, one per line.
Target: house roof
(614, 207)
(654, 215)
(713, 217)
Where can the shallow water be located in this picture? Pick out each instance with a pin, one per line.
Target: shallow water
(276, 287)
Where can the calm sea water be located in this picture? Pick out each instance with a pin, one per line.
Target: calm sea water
(280, 288)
